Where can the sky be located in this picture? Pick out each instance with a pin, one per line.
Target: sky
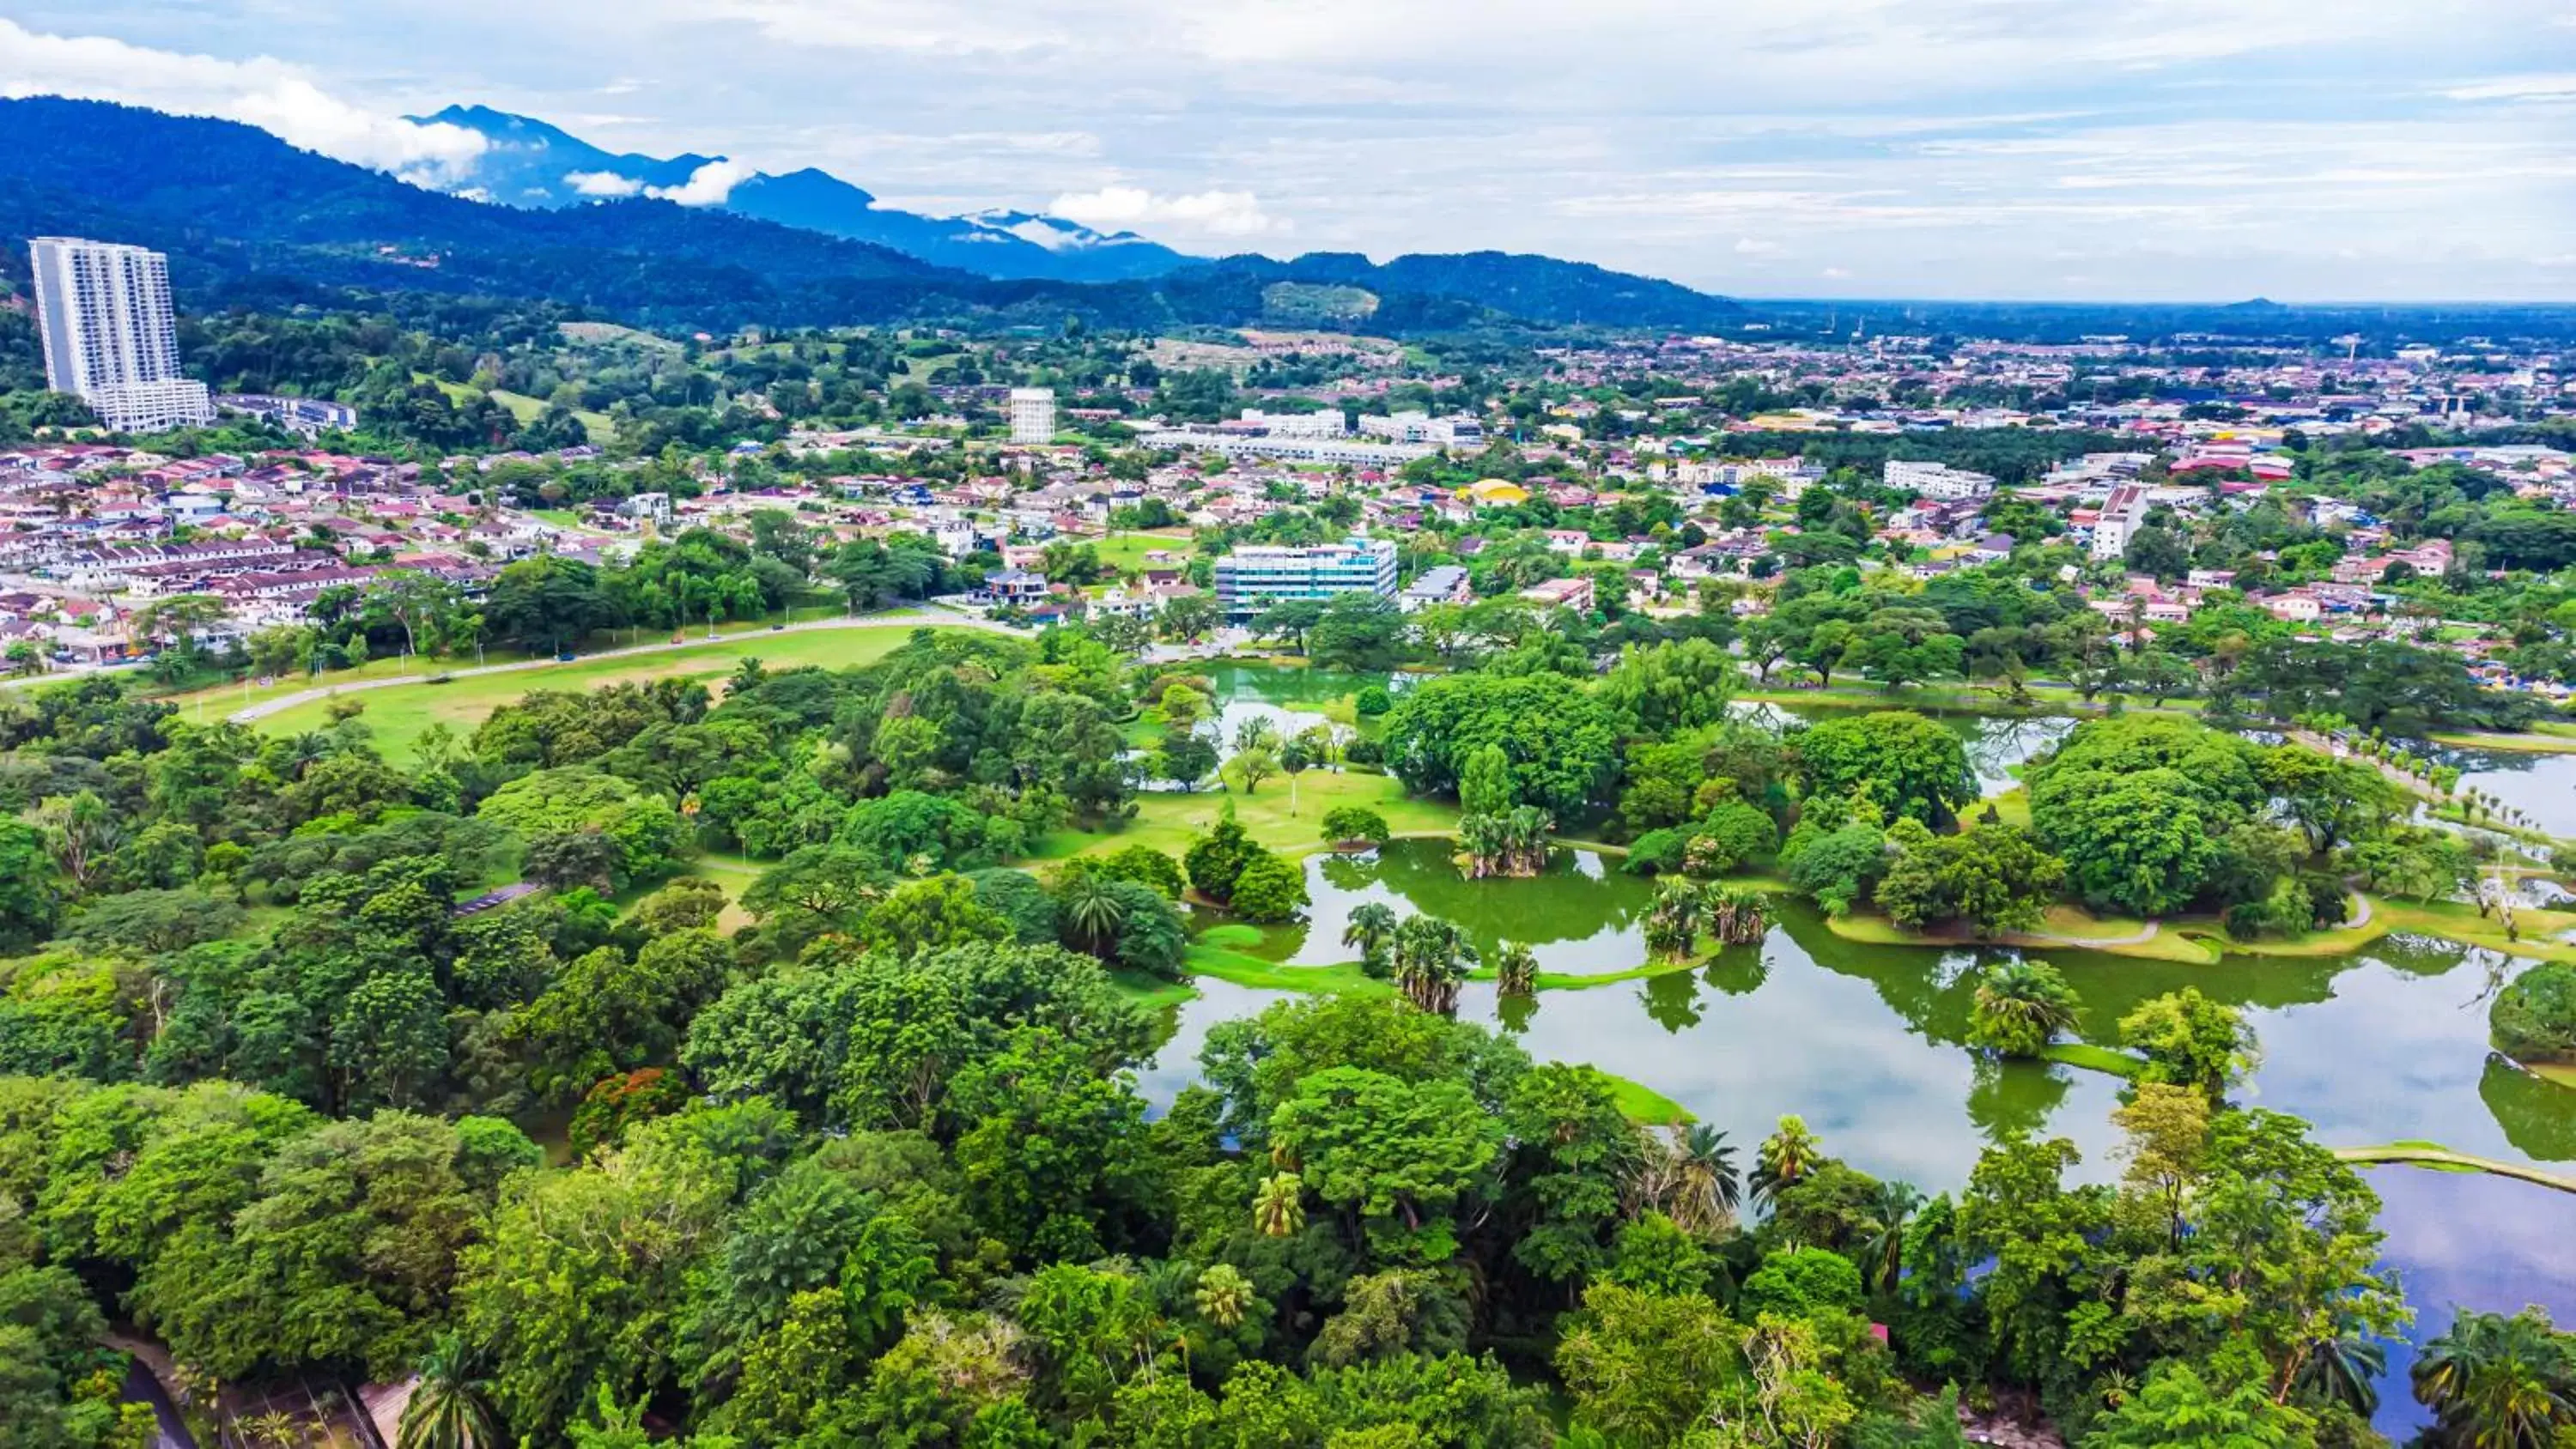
(2209, 150)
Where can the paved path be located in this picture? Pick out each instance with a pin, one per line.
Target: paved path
(2444, 1157)
(909, 618)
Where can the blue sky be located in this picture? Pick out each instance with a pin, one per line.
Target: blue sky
(2114, 149)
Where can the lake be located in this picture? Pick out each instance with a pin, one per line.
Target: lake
(1867, 1042)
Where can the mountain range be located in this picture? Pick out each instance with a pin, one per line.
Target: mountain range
(247, 218)
(529, 163)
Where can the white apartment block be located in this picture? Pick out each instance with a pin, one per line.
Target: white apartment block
(1032, 415)
(1938, 480)
(2123, 514)
(111, 335)
(1421, 427)
(1324, 424)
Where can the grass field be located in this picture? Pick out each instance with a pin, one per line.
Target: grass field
(2536, 743)
(1126, 552)
(1168, 821)
(600, 426)
(399, 713)
(2065, 927)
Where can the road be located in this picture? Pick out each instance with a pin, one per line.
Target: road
(910, 617)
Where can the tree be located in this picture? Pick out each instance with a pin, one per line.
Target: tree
(1560, 742)
(2497, 1382)
(1900, 761)
(929, 915)
(2142, 843)
(1785, 1158)
(1993, 879)
(2021, 1006)
(2533, 1019)
(446, 1409)
(2190, 1041)
(1643, 1367)
(1398, 1156)
(1371, 932)
(1354, 824)
(1431, 956)
(2177, 1407)
(1270, 889)
(1185, 756)
(1217, 859)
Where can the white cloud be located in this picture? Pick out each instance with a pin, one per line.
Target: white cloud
(1754, 247)
(709, 185)
(2515, 88)
(263, 92)
(604, 184)
(1210, 213)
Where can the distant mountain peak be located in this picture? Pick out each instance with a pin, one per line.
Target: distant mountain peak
(533, 163)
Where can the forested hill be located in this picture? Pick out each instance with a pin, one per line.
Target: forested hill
(246, 217)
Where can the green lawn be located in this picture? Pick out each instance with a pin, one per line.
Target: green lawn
(2535, 743)
(1645, 1105)
(2092, 1058)
(2065, 927)
(1126, 552)
(399, 713)
(600, 426)
(1168, 821)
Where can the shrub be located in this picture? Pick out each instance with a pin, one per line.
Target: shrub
(1270, 889)
(1657, 852)
(1145, 865)
(1356, 823)
(1732, 834)
(1373, 701)
(2534, 1018)
(1800, 1283)
(1216, 858)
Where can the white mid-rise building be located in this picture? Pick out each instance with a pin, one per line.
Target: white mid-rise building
(1937, 480)
(1325, 424)
(2122, 516)
(1032, 415)
(111, 335)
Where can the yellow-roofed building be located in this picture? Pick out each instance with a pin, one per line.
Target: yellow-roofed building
(1493, 493)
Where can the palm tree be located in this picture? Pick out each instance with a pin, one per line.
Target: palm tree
(1431, 957)
(1738, 915)
(2494, 1382)
(1786, 1157)
(2021, 1006)
(1370, 930)
(447, 1409)
(1093, 910)
(1516, 970)
(1883, 1261)
(1673, 921)
(275, 1429)
(1279, 1205)
(1224, 1295)
(1706, 1190)
(2346, 1371)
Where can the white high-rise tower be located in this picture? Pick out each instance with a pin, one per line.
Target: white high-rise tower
(1032, 415)
(112, 336)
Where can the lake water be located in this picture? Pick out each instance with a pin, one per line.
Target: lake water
(2542, 787)
(1867, 1042)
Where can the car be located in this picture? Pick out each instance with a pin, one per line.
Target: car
(564, 657)
(777, 628)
